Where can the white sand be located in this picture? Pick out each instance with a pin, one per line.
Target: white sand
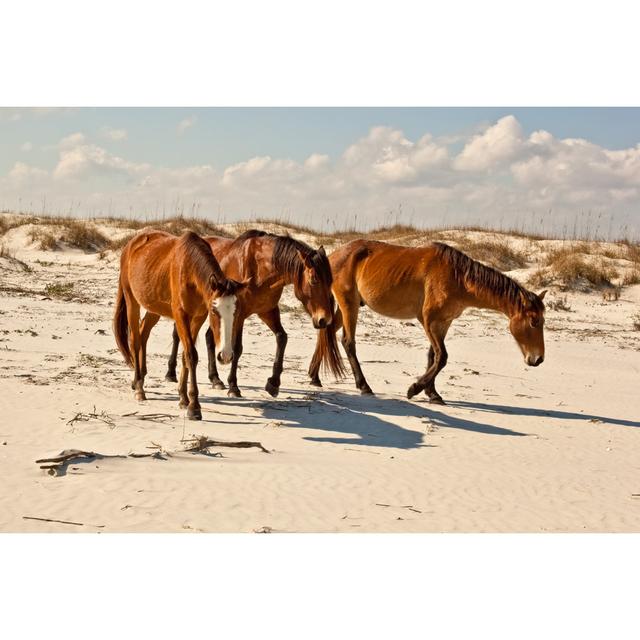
(556, 448)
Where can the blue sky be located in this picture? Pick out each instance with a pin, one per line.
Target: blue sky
(434, 165)
(223, 136)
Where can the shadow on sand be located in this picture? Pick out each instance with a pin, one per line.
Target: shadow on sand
(359, 419)
(541, 413)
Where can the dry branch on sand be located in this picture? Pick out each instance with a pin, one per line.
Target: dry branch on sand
(57, 465)
(103, 416)
(202, 443)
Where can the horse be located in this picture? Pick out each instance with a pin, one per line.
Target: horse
(435, 284)
(269, 262)
(178, 278)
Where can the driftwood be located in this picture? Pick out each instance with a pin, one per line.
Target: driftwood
(202, 443)
(57, 465)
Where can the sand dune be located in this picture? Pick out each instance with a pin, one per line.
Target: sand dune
(555, 448)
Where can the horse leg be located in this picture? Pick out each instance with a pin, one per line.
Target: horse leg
(314, 371)
(234, 391)
(216, 383)
(133, 318)
(173, 358)
(149, 321)
(436, 332)
(187, 332)
(272, 320)
(350, 309)
(182, 383)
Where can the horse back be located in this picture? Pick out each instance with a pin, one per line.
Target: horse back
(390, 279)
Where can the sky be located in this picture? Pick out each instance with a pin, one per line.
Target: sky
(556, 170)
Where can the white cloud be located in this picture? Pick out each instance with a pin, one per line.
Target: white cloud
(114, 134)
(80, 159)
(187, 123)
(26, 147)
(25, 175)
(500, 143)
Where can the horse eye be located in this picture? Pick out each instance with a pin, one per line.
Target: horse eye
(534, 322)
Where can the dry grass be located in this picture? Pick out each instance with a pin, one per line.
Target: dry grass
(496, 253)
(61, 290)
(632, 251)
(631, 277)
(74, 233)
(46, 240)
(569, 268)
(558, 304)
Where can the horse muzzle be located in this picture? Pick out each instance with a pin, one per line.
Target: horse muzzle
(321, 323)
(225, 357)
(534, 361)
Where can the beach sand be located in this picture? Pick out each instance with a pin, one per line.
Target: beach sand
(518, 449)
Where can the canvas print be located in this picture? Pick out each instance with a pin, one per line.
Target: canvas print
(319, 319)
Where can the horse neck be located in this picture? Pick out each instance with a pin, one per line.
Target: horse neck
(482, 298)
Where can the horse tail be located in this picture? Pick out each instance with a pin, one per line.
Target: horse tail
(327, 353)
(121, 326)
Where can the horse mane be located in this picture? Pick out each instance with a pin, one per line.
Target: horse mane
(252, 233)
(486, 279)
(204, 266)
(287, 252)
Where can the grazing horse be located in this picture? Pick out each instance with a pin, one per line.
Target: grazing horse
(176, 278)
(434, 284)
(269, 262)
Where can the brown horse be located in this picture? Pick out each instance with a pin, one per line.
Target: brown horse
(176, 278)
(434, 284)
(269, 262)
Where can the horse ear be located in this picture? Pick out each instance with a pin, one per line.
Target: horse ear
(321, 251)
(542, 294)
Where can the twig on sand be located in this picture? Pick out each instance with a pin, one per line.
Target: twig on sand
(202, 443)
(103, 416)
(77, 524)
(151, 417)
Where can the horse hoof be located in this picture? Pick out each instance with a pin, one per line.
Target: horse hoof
(140, 397)
(366, 391)
(194, 413)
(413, 390)
(272, 389)
(315, 382)
(234, 392)
(171, 377)
(183, 404)
(217, 384)
(437, 400)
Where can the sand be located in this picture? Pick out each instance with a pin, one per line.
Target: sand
(555, 448)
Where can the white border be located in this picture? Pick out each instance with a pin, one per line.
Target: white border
(332, 53)
(338, 52)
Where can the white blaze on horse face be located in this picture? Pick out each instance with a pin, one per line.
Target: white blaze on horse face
(226, 308)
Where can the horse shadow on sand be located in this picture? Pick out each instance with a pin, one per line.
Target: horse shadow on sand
(357, 420)
(541, 413)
